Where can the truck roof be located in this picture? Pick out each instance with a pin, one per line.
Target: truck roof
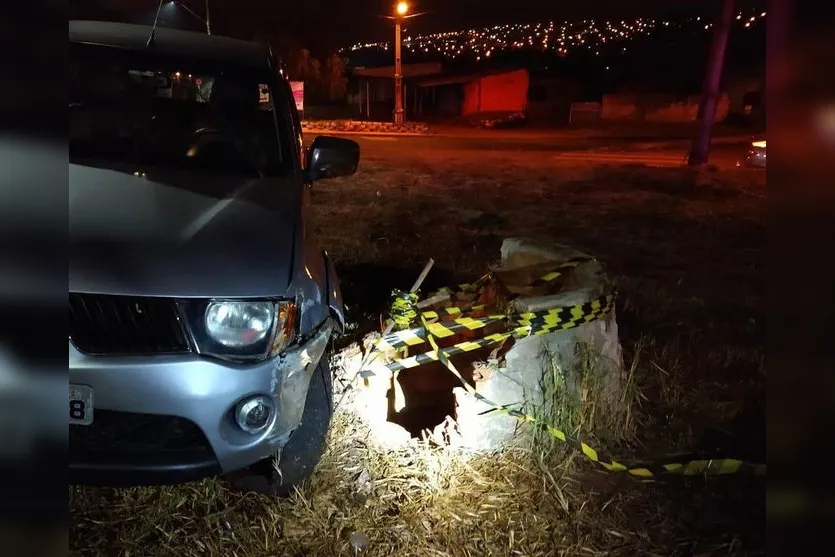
(175, 42)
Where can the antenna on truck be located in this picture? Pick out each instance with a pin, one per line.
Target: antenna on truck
(154, 28)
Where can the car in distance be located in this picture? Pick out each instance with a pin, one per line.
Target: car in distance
(201, 307)
(755, 156)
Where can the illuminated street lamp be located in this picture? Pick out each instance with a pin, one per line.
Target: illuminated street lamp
(401, 12)
(401, 9)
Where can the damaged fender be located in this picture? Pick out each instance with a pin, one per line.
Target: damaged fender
(334, 292)
(315, 287)
(292, 379)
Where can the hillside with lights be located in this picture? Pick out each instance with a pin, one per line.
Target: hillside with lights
(659, 47)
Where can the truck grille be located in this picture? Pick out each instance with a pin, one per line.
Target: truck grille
(123, 434)
(125, 325)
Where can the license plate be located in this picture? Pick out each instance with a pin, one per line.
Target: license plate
(81, 405)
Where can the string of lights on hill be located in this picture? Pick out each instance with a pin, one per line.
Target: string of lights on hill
(592, 36)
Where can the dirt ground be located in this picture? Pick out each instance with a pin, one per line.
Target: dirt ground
(687, 249)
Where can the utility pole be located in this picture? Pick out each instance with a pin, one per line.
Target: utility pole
(208, 25)
(400, 11)
(780, 18)
(398, 77)
(711, 88)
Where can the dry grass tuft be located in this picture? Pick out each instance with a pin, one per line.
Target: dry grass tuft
(419, 500)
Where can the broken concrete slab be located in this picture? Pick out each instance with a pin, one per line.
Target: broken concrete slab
(554, 374)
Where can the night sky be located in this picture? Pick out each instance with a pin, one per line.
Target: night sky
(324, 25)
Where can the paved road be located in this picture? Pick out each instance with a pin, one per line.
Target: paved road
(554, 146)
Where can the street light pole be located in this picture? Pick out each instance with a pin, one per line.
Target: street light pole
(401, 12)
(208, 25)
(398, 77)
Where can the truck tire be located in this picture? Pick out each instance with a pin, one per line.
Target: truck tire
(303, 451)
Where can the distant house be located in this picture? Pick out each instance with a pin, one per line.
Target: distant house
(656, 107)
(478, 93)
(371, 90)
(432, 93)
(550, 99)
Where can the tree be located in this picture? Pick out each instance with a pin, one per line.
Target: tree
(326, 83)
(334, 80)
(304, 67)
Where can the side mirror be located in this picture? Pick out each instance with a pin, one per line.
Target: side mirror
(331, 157)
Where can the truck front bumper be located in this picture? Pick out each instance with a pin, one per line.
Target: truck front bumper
(168, 419)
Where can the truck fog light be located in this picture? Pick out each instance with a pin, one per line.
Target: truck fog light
(254, 413)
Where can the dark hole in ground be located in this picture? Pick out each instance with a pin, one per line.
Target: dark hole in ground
(427, 393)
(427, 390)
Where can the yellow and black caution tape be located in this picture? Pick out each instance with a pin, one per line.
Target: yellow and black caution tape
(413, 337)
(460, 348)
(403, 308)
(567, 317)
(404, 313)
(645, 471)
(433, 315)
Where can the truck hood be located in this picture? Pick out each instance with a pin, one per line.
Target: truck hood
(163, 232)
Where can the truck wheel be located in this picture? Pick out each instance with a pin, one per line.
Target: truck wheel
(305, 447)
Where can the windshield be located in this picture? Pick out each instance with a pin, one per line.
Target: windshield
(148, 110)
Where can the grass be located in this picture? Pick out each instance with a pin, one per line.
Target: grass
(687, 251)
(572, 400)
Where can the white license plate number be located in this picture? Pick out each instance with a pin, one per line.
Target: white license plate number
(81, 405)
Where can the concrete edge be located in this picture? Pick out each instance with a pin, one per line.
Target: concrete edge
(345, 132)
(641, 145)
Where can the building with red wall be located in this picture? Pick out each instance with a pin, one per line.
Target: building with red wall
(431, 93)
(502, 92)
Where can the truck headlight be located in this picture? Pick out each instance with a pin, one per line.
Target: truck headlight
(240, 330)
(239, 324)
